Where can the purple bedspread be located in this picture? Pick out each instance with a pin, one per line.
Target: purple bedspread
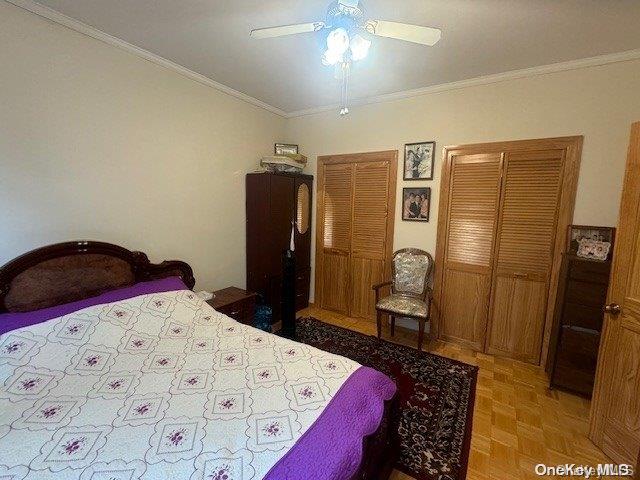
(332, 447)
(12, 321)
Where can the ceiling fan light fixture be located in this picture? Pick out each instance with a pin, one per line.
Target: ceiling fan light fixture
(330, 58)
(338, 41)
(359, 47)
(348, 34)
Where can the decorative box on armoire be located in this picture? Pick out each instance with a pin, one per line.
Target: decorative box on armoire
(582, 294)
(276, 202)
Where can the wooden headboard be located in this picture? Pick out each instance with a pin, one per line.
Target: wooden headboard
(71, 271)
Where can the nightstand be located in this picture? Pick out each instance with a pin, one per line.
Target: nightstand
(237, 303)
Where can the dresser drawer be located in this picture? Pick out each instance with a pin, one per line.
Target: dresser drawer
(302, 289)
(589, 271)
(302, 293)
(302, 298)
(582, 316)
(586, 293)
(576, 360)
(302, 279)
(234, 310)
(236, 303)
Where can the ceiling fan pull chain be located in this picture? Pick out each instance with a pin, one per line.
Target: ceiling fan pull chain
(346, 87)
(341, 89)
(344, 109)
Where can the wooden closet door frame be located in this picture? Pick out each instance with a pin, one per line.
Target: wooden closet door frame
(572, 147)
(621, 276)
(386, 155)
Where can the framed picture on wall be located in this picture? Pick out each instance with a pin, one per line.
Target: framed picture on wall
(416, 204)
(418, 160)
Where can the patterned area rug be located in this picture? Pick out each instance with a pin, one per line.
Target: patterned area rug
(436, 397)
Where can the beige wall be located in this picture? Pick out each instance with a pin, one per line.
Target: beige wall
(599, 103)
(97, 143)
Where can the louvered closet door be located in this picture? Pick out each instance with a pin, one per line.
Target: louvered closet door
(525, 242)
(336, 247)
(368, 242)
(474, 196)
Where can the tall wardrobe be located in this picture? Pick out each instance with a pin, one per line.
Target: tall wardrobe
(503, 217)
(276, 203)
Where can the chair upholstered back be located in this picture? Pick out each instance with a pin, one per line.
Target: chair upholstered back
(411, 270)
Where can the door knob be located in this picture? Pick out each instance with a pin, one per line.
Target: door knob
(612, 308)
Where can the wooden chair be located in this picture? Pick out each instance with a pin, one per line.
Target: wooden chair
(410, 294)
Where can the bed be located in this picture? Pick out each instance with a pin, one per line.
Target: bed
(112, 368)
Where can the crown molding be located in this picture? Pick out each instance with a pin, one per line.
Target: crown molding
(73, 24)
(66, 21)
(626, 56)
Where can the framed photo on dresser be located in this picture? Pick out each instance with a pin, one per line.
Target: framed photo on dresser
(591, 242)
(418, 160)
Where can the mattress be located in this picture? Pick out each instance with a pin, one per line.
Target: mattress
(149, 383)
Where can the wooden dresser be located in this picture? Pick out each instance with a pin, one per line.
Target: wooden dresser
(582, 293)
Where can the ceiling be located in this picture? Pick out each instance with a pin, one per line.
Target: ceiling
(479, 37)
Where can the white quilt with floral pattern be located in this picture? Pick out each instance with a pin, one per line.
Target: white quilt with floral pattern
(159, 386)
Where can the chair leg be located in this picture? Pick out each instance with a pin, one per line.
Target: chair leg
(420, 332)
(379, 322)
(393, 324)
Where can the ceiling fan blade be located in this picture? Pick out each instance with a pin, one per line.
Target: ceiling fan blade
(286, 30)
(404, 31)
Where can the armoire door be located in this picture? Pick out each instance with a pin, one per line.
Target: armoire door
(615, 411)
(356, 195)
(303, 200)
(302, 239)
(524, 253)
(281, 213)
(474, 197)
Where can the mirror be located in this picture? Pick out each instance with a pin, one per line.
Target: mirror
(302, 220)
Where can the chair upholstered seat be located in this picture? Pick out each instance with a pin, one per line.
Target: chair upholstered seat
(410, 293)
(403, 305)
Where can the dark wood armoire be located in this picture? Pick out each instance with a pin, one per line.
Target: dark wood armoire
(275, 203)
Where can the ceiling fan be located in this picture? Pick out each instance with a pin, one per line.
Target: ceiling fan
(349, 35)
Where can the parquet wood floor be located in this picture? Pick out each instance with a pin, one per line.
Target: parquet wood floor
(518, 421)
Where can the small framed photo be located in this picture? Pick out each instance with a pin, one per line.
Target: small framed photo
(416, 204)
(593, 249)
(285, 149)
(588, 241)
(418, 160)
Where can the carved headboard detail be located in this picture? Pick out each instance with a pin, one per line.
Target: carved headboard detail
(71, 271)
